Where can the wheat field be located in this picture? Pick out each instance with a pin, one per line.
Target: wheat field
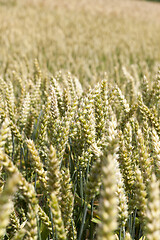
(79, 120)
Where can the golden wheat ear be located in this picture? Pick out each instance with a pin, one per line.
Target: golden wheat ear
(6, 202)
(152, 223)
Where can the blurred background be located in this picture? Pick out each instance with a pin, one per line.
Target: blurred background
(86, 38)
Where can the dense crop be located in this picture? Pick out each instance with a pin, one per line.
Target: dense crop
(80, 151)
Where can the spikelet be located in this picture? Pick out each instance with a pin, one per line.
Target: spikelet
(144, 160)
(66, 201)
(16, 133)
(125, 165)
(38, 165)
(58, 92)
(54, 111)
(14, 225)
(145, 90)
(35, 98)
(3, 84)
(31, 225)
(45, 219)
(127, 135)
(121, 100)
(66, 100)
(53, 173)
(108, 205)
(140, 194)
(85, 158)
(24, 111)
(6, 204)
(43, 129)
(104, 97)
(94, 181)
(148, 114)
(71, 87)
(57, 218)
(3, 113)
(126, 118)
(155, 96)
(146, 129)
(87, 120)
(88, 131)
(130, 90)
(78, 87)
(11, 92)
(4, 132)
(19, 235)
(61, 139)
(128, 138)
(2, 104)
(10, 101)
(29, 125)
(152, 229)
(10, 144)
(22, 215)
(112, 134)
(156, 152)
(38, 72)
(99, 116)
(44, 121)
(122, 199)
(22, 91)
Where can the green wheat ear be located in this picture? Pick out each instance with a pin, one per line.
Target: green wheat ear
(53, 173)
(31, 225)
(14, 225)
(4, 132)
(67, 200)
(19, 234)
(38, 165)
(109, 201)
(94, 180)
(140, 194)
(24, 112)
(122, 198)
(57, 218)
